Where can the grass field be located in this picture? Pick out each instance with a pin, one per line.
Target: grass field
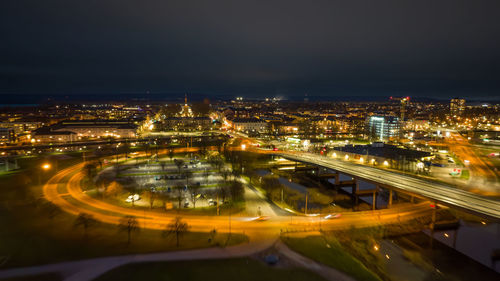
(465, 174)
(333, 255)
(36, 232)
(243, 269)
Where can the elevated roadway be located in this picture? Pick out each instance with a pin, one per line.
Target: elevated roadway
(434, 191)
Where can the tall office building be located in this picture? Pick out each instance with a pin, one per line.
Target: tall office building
(383, 127)
(457, 106)
(405, 102)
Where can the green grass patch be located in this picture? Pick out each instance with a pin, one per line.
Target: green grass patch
(243, 269)
(456, 160)
(465, 174)
(316, 248)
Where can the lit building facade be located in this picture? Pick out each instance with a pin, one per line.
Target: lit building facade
(7, 135)
(457, 106)
(69, 130)
(249, 125)
(383, 127)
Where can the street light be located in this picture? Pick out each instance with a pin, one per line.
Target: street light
(45, 167)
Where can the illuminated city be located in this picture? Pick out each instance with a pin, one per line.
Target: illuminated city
(251, 141)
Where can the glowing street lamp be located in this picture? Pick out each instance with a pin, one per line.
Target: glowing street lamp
(243, 147)
(45, 167)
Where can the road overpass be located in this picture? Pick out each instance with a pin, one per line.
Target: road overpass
(440, 193)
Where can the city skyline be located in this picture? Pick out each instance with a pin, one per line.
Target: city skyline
(227, 140)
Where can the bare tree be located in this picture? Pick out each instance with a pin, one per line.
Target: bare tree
(194, 194)
(129, 224)
(272, 186)
(151, 195)
(206, 174)
(216, 162)
(188, 174)
(177, 227)
(222, 192)
(237, 190)
(85, 221)
(179, 163)
(219, 163)
(163, 164)
(178, 193)
(90, 170)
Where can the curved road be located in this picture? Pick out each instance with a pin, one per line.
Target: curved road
(82, 203)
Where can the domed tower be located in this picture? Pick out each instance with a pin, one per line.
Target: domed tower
(186, 109)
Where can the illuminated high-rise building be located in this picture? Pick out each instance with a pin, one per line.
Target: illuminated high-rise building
(402, 109)
(457, 106)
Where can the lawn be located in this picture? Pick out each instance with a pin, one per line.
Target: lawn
(36, 233)
(41, 240)
(243, 269)
(465, 174)
(316, 248)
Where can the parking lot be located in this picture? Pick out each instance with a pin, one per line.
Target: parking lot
(166, 178)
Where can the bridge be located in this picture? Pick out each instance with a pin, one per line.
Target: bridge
(434, 191)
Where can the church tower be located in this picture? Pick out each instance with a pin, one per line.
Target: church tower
(186, 109)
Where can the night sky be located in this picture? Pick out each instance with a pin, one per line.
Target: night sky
(328, 48)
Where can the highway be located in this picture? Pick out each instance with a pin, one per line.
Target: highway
(445, 194)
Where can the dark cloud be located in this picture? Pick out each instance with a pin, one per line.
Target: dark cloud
(323, 47)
